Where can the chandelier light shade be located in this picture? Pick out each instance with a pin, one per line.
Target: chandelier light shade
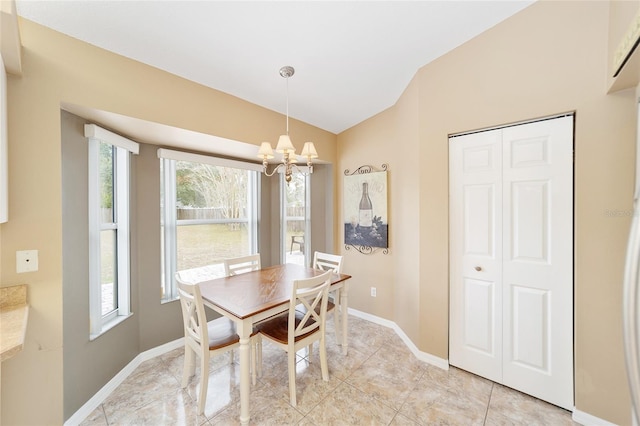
(265, 151)
(309, 150)
(285, 146)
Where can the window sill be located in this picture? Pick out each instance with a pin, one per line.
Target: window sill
(163, 301)
(109, 325)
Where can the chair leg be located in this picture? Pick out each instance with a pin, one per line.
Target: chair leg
(254, 354)
(323, 359)
(292, 377)
(259, 345)
(189, 365)
(204, 381)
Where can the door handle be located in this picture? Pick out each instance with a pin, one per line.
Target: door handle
(478, 268)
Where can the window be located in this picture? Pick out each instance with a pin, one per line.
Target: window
(108, 167)
(209, 213)
(295, 219)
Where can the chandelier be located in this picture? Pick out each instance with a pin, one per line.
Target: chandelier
(285, 147)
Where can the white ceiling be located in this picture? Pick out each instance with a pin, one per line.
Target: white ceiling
(353, 59)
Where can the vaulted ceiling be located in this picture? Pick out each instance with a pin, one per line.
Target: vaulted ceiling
(352, 59)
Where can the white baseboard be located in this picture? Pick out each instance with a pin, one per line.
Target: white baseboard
(97, 399)
(422, 356)
(587, 419)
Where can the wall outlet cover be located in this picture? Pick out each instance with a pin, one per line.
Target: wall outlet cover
(26, 261)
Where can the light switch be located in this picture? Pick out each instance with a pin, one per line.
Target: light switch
(26, 261)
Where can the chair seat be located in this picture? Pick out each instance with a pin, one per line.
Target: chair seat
(222, 332)
(278, 327)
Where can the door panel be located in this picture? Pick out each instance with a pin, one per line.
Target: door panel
(475, 340)
(538, 259)
(479, 219)
(511, 257)
(530, 221)
(530, 319)
(478, 316)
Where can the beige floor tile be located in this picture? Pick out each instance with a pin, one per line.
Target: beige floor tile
(266, 409)
(369, 337)
(222, 391)
(390, 384)
(310, 388)
(389, 374)
(142, 387)
(508, 406)
(347, 405)
(397, 360)
(453, 410)
(172, 409)
(402, 420)
(341, 365)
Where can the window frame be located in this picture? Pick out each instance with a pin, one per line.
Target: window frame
(170, 223)
(307, 217)
(99, 323)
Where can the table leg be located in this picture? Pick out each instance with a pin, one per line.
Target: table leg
(343, 311)
(244, 331)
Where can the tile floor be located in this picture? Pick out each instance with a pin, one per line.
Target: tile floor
(379, 382)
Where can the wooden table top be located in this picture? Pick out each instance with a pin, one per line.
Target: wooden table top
(248, 294)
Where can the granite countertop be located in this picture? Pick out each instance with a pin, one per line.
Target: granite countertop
(14, 313)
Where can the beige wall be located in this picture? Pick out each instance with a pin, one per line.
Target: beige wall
(59, 69)
(550, 58)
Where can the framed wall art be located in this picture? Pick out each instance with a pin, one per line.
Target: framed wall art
(366, 224)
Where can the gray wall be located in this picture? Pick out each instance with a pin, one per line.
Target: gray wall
(89, 365)
(322, 189)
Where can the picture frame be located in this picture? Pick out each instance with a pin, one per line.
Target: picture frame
(366, 223)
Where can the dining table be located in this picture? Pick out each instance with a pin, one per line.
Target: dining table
(254, 296)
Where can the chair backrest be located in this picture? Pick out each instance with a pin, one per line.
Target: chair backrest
(193, 315)
(310, 294)
(242, 264)
(327, 262)
(181, 276)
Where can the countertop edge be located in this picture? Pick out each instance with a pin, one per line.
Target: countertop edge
(13, 322)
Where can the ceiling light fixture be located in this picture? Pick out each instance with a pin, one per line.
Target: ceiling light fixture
(285, 146)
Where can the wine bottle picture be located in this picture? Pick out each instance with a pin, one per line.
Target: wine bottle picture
(365, 229)
(365, 218)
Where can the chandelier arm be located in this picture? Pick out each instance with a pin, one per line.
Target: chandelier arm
(299, 170)
(264, 170)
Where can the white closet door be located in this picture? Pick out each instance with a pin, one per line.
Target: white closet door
(538, 259)
(476, 253)
(511, 257)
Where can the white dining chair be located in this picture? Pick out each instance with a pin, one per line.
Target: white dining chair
(205, 339)
(242, 264)
(331, 262)
(296, 329)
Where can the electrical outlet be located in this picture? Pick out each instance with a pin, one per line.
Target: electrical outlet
(26, 261)
(373, 292)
